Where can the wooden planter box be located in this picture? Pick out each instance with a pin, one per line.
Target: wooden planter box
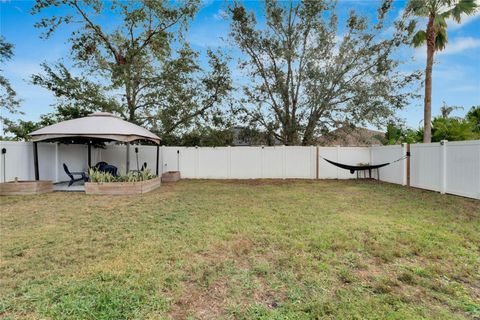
(121, 188)
(171, 176)
(25, 187)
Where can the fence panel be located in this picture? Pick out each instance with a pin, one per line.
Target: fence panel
(352, 156)
(187, 161)
(463, 168)
(246, 162)
(395, 172)
(347, 155)
(325, 169)
(273, 162)
(300, 162)
(17, 162)
(425, 164)
(47, 160)
(213, 163)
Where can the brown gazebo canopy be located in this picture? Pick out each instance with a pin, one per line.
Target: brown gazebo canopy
(102, 126)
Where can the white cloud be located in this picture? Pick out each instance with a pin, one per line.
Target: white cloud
(22, 69)
(206, 3)
(220, 15)
(461, 44)
(466, 88)
(455, 46)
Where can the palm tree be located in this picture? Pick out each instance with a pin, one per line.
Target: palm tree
(435, 35)
(446, 110)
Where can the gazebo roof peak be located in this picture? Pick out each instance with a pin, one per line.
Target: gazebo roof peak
(102, 114)
(98, 125)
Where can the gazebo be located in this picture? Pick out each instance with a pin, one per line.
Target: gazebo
(96, 127)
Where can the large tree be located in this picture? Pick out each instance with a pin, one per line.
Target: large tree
(9, 101)
(130, 58)
(307, 74)
(435, 36)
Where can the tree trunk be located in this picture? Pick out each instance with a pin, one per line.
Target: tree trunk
(427, 111)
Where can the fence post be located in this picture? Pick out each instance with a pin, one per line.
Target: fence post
(197, 160)
(443, 166)
(57, 177)
(284, 162)
(163, 159)
(404, 165)
(157, 160)
(229, 165)
(408, 164)
(35, 161)
(317, 165)
(370, 162)
(262, 160)
(338, 160)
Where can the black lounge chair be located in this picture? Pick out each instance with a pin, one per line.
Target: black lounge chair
(71, 174)
(105, 167)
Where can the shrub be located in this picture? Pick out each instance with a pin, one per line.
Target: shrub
(132, 176)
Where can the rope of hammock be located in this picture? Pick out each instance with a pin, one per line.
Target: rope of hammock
(352, 169)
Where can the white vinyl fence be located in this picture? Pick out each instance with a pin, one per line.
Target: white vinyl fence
(396, 172)
(346, 155)
(241, 162)
(449, 167)
(262, 162)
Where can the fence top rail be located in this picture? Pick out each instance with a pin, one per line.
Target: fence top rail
(464, 143)
(15, 143)
(425, 145)
(396, 146)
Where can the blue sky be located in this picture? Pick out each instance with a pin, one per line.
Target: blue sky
(456, 77)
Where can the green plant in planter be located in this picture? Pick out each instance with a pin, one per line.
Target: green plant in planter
(146, 175)
(100, 176)
(131, 176)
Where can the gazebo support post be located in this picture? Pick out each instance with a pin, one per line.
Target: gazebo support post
(128, 157)
(35, 161)
(89, 154)
(158, 158)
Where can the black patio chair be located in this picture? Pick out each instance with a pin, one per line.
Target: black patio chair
(110, 169)
(100, 164)
(83, 175)
(105, 167)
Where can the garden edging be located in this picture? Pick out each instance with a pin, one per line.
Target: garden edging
(122, 188)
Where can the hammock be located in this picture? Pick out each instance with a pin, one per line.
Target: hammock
(361, 168)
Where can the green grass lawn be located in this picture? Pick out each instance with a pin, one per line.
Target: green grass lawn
(242, 250)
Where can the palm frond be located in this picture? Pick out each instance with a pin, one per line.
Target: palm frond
(441, 39)
(440, 22)
(467, 7)
(419, 38)
(417, 8)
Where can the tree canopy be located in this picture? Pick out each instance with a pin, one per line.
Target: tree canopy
(444, 127)
(308, 75)
(140, 67)
(307, 72)
(9, 102)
